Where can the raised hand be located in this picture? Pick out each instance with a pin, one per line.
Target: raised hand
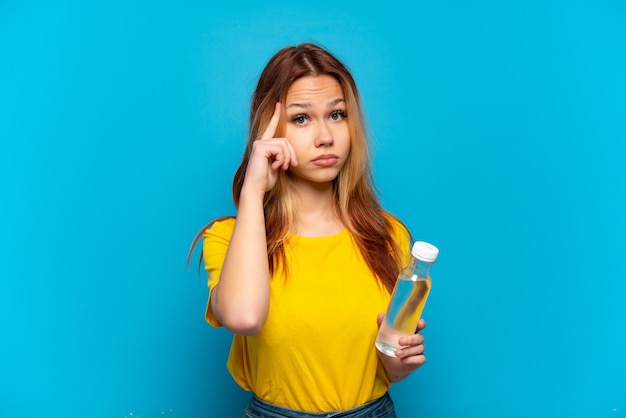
(269, 154)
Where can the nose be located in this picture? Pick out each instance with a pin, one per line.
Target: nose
(324, 137)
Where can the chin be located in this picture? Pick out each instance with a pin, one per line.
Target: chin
(321, 176)
(317, 180)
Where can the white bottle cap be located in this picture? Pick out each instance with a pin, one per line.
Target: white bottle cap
(425, 251)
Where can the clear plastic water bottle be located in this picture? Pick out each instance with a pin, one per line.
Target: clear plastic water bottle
(408, 298)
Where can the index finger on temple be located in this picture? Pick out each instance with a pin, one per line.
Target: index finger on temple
(271, 127)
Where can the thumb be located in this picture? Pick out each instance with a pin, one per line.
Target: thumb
(379, 319)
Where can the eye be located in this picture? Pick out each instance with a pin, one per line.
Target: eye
(299, 119)
(337, 115)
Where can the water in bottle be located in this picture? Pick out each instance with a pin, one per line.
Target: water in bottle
(408, 298)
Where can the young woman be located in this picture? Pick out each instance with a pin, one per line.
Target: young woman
(303, 272)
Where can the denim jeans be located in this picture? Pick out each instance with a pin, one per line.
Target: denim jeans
(379, 408)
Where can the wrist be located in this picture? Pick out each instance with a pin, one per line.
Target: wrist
(251, 193)
(394, 368)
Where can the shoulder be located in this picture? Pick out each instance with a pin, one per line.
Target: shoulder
(401, 235)
(219, 230)
(398, 228)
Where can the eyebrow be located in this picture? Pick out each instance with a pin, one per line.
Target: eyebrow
(332, 103)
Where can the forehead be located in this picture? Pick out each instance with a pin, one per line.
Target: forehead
(310, 89)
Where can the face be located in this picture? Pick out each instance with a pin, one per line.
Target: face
(317, 128)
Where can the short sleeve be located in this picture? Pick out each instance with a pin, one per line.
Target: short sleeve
(215, 244)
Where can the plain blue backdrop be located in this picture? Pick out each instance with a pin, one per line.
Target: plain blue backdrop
(499, 134)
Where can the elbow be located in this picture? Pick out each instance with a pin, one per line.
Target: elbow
(242, 316)
(243, 323)
(247, 325)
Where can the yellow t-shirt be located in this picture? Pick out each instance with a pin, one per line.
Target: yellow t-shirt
(316, 351)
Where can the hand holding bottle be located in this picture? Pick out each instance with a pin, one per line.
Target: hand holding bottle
(407, 300)
(409, 357)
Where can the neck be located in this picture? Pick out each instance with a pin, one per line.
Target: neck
(315, 210)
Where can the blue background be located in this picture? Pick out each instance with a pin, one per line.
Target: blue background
(499, 134)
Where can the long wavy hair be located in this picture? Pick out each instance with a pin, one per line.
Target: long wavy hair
(356, 202)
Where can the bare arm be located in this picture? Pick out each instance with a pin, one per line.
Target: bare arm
(240, 300)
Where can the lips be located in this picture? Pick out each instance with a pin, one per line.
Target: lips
(326, 160)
